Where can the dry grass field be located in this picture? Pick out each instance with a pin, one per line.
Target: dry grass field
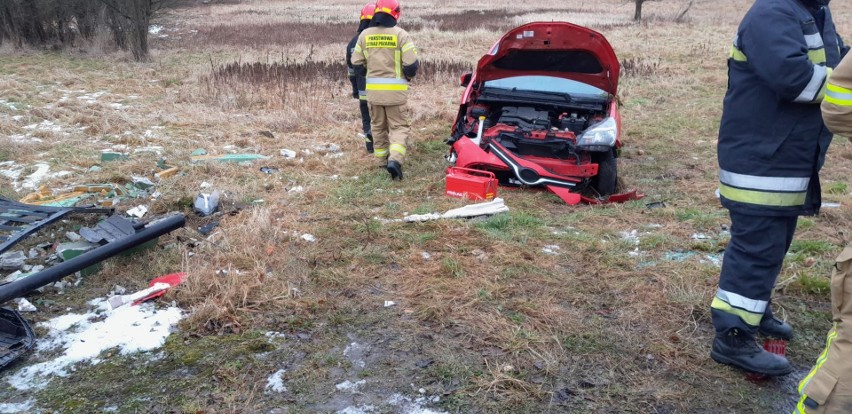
(485, 320)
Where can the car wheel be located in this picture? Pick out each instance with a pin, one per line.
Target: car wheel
(606, 182)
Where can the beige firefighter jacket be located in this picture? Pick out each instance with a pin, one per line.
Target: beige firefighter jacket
(837, 105)
(827, 389)
(385, 51)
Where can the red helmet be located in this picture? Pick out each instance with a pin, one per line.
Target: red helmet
(390, 7)
(368, 11)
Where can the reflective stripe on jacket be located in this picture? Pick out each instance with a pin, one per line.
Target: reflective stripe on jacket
(772, 141)
(837, 106)
(385, 51)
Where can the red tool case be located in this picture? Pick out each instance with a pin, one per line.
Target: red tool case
(471, 184)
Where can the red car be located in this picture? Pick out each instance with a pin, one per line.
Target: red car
(540, 110)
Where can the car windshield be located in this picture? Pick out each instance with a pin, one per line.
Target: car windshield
(547, 84)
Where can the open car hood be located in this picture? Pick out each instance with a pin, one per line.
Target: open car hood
(558, 49)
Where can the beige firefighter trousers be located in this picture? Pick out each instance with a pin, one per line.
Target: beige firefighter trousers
(827, 389)
(390, 125)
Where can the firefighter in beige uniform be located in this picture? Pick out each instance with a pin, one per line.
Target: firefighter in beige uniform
(388, 58)
(827, 389)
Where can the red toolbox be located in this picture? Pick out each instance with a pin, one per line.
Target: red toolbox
(470, 183)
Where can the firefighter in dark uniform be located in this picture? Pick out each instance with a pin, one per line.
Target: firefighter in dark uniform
(359, 83)
(772, 145)
(386, 55)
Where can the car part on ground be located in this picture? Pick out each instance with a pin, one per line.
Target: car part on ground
(16, 336)
(141, 236)
(18, 221)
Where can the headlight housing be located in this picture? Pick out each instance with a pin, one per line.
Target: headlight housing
(601, 135)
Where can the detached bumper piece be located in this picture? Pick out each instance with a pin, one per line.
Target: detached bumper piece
(16, 336)
(18, 221)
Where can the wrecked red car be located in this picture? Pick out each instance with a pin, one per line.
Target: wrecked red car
(540, 110)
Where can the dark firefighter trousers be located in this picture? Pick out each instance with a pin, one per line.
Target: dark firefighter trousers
(750, 268)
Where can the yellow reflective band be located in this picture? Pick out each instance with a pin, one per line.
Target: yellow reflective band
(358, 48)
(824, 89)
(737, 55)
(381, 87)
(398, 148)
(362, 97)
(380, 152)
(817, 56)
(839, 89)
(752, 319)
(409, 46)
(382, 41)
(820, 361)
(385, 10)
(800, 407)
(397, 57)
(838, 95)
(763, 198)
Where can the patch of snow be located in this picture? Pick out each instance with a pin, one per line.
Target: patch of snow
(551, 249)
(116, 106)
(47, 126)
(10, 408)
(92, 97)
(366, 409)
(353, 353)
(33, 180)
(408, 405)
(297, 189)
(8, 104)
(83, 337)
(17, 117)
(350, 386)
(275, 382)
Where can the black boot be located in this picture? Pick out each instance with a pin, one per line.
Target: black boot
(775, 328)
(395, 170)
(368, 141)
(739, 349)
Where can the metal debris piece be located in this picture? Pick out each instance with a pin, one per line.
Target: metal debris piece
(109, 230)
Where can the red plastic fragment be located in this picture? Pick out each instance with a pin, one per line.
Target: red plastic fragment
(172, 280)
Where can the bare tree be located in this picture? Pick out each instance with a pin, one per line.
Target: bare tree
(637, 15)
(131, 18)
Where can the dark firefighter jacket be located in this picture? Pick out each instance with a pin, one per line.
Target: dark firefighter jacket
(359, 83)
(772, 140)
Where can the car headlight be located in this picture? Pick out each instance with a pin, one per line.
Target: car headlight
(602, 134)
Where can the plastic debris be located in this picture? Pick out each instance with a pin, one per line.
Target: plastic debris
(309, 238)
(288, 154)
(25, 306)
(142, 183)
(207, 204)
(199, 152)
(389, 303)
(121, 300)
(830, 205)
(74, 237)
(268, 170)
(12, 260)
(109, 155)
(490, 208)
(234, 158)
(208, 228)
(138, 211)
